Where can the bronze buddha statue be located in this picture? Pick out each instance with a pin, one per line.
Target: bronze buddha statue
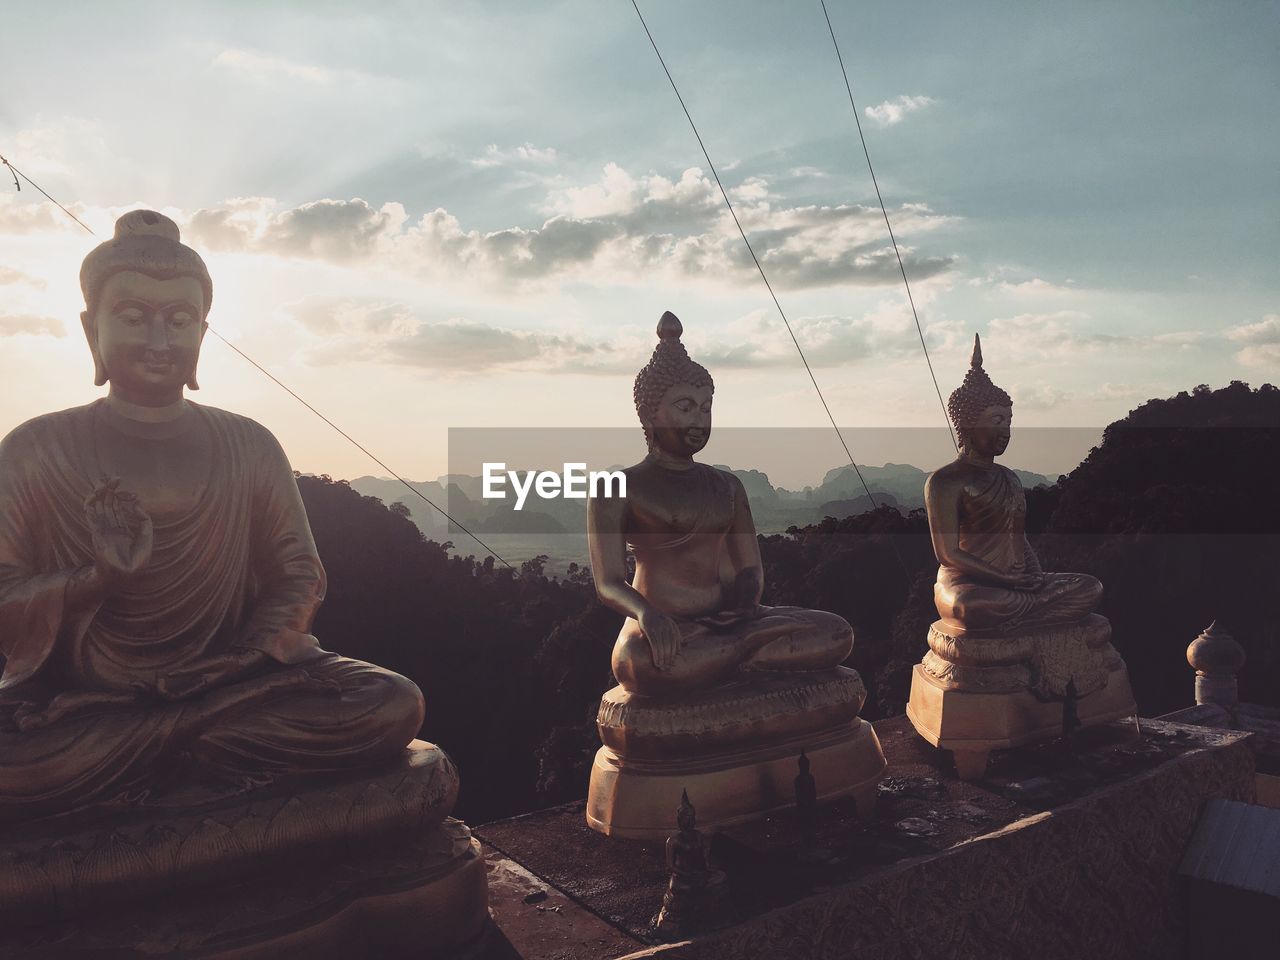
(703, 669)
(172, 735)
(988, 575)
(1012, 641)
(693, 611)
(158, 577)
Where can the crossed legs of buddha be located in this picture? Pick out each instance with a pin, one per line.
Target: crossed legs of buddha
(328, 715)
(777, 639)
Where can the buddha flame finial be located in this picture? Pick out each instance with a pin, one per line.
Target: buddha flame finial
(669, 327)
(975, 394)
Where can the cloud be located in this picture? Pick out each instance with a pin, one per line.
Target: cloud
(1120, 391)
(260, 67)
(618, 230)
(336, 230)
(392, 333)
(22, 217)
(1260, 341)
(10, 276)
(526, 153)
(54, 147)
(12, 324)
(895, 111)
(1063, 333)
(1034, 287)
(1040, 396)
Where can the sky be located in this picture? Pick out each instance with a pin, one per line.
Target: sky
(436, 216)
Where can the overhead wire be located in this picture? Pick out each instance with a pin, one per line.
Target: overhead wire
(894, 240)
(756, 260)
(276, 380)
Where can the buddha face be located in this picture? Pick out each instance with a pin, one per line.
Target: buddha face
(681, 424)
(989, 436)
(145, 335)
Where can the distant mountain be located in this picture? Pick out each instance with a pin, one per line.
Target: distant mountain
(775, 509)
(900, 480)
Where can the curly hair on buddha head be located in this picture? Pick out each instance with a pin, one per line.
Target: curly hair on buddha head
(974, 395)
(669, 365)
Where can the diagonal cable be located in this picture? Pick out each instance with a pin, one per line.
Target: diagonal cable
(889, 226)
(355, 443)
(18, 173)
(754, 258)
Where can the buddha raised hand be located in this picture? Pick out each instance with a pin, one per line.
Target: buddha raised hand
(693, 610)
(989, 578)
(158, 577)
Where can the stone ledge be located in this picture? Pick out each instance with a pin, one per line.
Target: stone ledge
(367, 866)
(59, 867)
(1059, 853)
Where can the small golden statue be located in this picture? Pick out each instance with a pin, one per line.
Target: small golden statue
(696, 897)
(1012, 640)
(158, 580)
(704, 670)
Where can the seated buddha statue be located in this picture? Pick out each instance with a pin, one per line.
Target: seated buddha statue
(1013, 642)
(158, 577)
(693, 610)
(697, 642)
(988, 575)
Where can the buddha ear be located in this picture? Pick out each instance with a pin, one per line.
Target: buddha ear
(91, 334)
(191, 381)
(646, 424)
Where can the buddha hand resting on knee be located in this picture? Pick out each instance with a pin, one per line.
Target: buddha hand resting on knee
(693, 612)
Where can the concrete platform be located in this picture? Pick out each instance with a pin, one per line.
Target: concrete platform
(360, 867)
(1059, 852)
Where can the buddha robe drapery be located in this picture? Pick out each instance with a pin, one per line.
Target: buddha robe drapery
(233, 565)
(993, 529)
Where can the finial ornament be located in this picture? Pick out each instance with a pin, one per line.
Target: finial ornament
(976, 359)
(669, 327)
(1217, 658)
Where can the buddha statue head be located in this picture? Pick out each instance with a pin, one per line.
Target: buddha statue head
(981, 412)
(146, 297)
(673, 395)
(686, 816)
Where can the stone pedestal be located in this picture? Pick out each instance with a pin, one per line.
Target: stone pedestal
(734, 748)
(366, 866)
(974, 693)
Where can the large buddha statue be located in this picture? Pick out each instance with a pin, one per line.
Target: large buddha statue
(702, 667)
(158, 580)
(1007, 627)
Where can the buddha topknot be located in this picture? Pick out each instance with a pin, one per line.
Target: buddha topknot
(975, 394)
(669, 365)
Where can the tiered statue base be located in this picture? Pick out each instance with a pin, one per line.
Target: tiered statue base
(365, 867)
(735, 749)
(975, 693)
